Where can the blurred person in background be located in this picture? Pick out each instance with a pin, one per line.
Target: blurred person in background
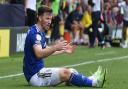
(55, 28)
(30, 9)
(36, 50)
(107, 23)
(47, 2)
(16, 1)
(97, 9)
(115, 10)
(108, 14)
(73, 24)
(86, 23)
(124, 6)
(63, 12)
(84, 4)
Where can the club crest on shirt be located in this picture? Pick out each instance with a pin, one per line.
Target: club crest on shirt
(38, 37)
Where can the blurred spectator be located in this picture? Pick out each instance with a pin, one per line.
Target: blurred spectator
(73, 24)
(125, 24)
(47, 2)
(55, 7)
(55, 28)
(115, 11)
(108, 14)
(72, 4)
(30, 8)
(87, 24)
(97, 9)
(16, 1)
(58, 22)
(106, 20)
(91, 3)
(84, 4)
(63, 12)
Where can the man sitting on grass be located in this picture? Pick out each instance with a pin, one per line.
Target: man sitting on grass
(36, 50)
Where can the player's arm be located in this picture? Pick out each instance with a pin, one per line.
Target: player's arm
(69, 48)
(57, 52)
(45, 52)
(42, 53)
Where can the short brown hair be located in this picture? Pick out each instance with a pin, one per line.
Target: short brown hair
(43, 9)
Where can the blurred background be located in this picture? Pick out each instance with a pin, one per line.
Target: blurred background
(80, 22)
(99, 29)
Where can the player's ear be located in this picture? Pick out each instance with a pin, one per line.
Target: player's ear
(40, 18)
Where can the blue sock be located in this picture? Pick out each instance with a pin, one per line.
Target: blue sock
(80, 80)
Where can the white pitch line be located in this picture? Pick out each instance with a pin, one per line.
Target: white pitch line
(101, 60)
(105, 53)
(13, 75)
(74, 65)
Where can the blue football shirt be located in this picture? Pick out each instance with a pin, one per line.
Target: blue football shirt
(31, 64)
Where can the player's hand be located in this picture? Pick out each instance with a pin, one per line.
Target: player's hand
(70, 48)
(60, 45)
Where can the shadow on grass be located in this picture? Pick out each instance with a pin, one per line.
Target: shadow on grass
(25, 86)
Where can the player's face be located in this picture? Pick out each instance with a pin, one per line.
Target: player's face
(45, 20)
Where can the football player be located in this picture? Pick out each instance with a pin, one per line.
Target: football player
(36, 51)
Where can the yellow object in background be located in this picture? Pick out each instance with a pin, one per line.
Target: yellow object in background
(61, 29)
(127, 34)
(86, 20)
(4, 42)
(49, 33)
(64, 4)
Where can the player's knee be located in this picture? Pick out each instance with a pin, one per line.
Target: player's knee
(73, 70)
(65, 74)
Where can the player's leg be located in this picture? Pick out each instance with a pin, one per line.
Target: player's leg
(54, 76)
(77, 79)
(96, 80)
(72, 70)
(46, 77)
(51, 76)
(98, 77)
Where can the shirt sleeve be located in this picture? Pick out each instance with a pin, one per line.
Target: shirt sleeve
(35, 39)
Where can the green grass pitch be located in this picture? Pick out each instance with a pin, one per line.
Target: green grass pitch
(85, 60)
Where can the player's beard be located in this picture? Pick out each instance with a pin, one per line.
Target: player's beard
(46, 27)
